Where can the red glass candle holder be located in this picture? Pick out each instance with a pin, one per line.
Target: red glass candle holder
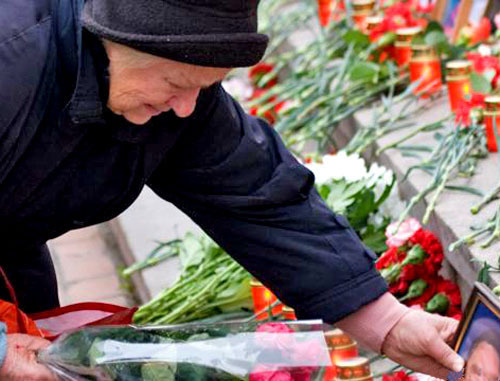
(288, 313)
(263, 298)
(458, 81)
(339, 354)
(492, 118)
(361, 10)
(402, 46)
(353, 368)
(371, 22)
(425, 67)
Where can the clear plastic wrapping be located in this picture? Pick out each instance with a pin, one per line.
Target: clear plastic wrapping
(232, 351)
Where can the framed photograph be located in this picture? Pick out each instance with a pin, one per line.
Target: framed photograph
(478, 337)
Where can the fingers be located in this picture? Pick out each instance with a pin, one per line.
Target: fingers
(442, 353)
(447, 327)
(28, 341)
(427, 365)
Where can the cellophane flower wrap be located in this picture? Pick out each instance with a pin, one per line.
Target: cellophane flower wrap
(226, 351)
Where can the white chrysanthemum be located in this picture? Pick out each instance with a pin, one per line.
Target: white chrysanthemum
(321, 172)
(342, 166)
(239, 87)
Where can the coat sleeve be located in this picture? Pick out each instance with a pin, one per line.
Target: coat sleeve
(233, 176)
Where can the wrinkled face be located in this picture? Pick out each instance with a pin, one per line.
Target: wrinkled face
(483, 364)
(143, 86)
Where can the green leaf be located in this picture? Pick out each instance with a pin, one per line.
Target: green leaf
(364, 71)
(374, 238)
(483, 275)
(433, 26)
(479, 83)
(191, 253)
(324, 191)
(439, 40)
(466, 189)
(357, 38)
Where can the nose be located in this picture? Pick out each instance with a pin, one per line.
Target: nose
(184, 103)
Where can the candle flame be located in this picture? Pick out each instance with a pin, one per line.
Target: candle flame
(466, 88)
(267, 295)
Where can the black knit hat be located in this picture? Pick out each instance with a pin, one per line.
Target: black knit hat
(216, 33)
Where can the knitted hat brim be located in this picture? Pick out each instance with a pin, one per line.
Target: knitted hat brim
(211, 50)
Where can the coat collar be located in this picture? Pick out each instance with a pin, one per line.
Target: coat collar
(87, 103)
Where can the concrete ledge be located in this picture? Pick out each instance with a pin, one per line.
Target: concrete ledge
(452, 217)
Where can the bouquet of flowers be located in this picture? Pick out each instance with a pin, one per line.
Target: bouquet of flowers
(411, 266)
(357, 193)
(233, 351)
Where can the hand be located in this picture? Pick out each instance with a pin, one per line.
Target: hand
(20, 362)
(419, 342)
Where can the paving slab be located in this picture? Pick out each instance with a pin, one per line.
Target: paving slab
(87, 264)
(148, 220)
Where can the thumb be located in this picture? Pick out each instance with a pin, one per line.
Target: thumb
(444, 355)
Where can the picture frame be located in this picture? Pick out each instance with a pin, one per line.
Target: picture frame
(479, 330)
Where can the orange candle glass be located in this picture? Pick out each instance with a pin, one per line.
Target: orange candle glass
(402, 46)
(371, 22)
(263, 298)
(492, 117)
(361, 10)
(353, 368)
(458, 80)
(342, 347)
(288, 313)
(425, 67)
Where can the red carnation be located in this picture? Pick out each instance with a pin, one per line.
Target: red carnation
(465, 107)
(428, 293)
(260, 70)
(482, 31)
(447, 300)
(266, 373)
(390, 257)
(398, 376)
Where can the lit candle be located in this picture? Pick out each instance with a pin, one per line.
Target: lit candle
(342, 347)
(288, 313)
(361, 10)
(402, 46)
(492, 117)
(356, 368)
(425, 67)
(371, 22)
(458, 80)
(263, 298)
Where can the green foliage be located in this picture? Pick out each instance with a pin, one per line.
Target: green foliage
(356, 37)
(357, 201)
(364, 71)
(211, 283)
(480, 84)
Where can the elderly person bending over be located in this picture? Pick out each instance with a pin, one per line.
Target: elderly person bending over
(100, 98)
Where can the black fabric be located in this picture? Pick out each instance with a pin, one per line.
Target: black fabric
(31, 273)
(201, 32)
(68, 162)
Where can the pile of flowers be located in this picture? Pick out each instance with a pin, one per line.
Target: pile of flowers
(351, 189)
(399, 15)
(398, 376)
(260, 87)
(411, 268)
(474, 34)
(486, 78)
(306, 352)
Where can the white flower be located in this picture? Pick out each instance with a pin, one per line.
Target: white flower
(321, 172)
(342, 166)
(239, 87)
(484, 50)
